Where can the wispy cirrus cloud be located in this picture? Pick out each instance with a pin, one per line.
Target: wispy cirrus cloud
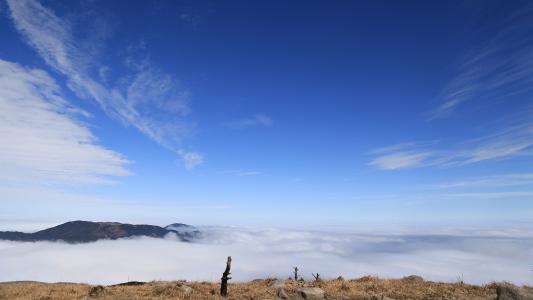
(489, 195)
(240, 173)
(401, 156)
(407, 159)
(503, 180)
(43, 142)
(501, 67)
(146, 98)
(510, 142)
(257, 120)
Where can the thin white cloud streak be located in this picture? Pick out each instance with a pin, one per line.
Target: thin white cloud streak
(257, 120)
(500, 68)
(503, 180)
(398, 160)
(489, 195)
(42, 140)
(240, 173)
(147, 99)
(480, 259)
(505, 144)
(248, 173)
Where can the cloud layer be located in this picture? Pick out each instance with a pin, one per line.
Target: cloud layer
(42, 140)
(146, 97)
(272, 252)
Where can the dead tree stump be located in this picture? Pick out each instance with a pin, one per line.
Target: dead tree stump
(317, 276)
(225, 278)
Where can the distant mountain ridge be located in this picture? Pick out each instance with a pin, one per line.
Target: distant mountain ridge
(85, 232)
(180, 227)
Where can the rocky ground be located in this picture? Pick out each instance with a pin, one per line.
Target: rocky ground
(365, 288)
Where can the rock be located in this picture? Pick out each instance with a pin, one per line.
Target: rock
(170, 290)
(413, 278)
(311, 293)
(277, 284)
(282, 294)
(507, 291)
(96, 291)
(86, 298)
(380, 298)
(130, 283)
(186, 289)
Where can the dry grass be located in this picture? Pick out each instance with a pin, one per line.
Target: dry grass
(363, 288)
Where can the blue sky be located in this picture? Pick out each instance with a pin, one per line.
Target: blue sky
(302, 113)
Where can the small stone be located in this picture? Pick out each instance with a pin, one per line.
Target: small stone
(282, 294)
(186, 289)
(311, 293)
(276, 284)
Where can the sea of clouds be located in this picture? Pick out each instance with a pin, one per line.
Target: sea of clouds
(259, 253)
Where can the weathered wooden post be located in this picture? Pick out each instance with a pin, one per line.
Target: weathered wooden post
(225, 278)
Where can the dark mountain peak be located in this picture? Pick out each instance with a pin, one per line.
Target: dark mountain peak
(86, 231)
(187, 231)
(178, 225)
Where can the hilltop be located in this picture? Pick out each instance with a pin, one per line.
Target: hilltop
(365, 288)
(85, 231)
